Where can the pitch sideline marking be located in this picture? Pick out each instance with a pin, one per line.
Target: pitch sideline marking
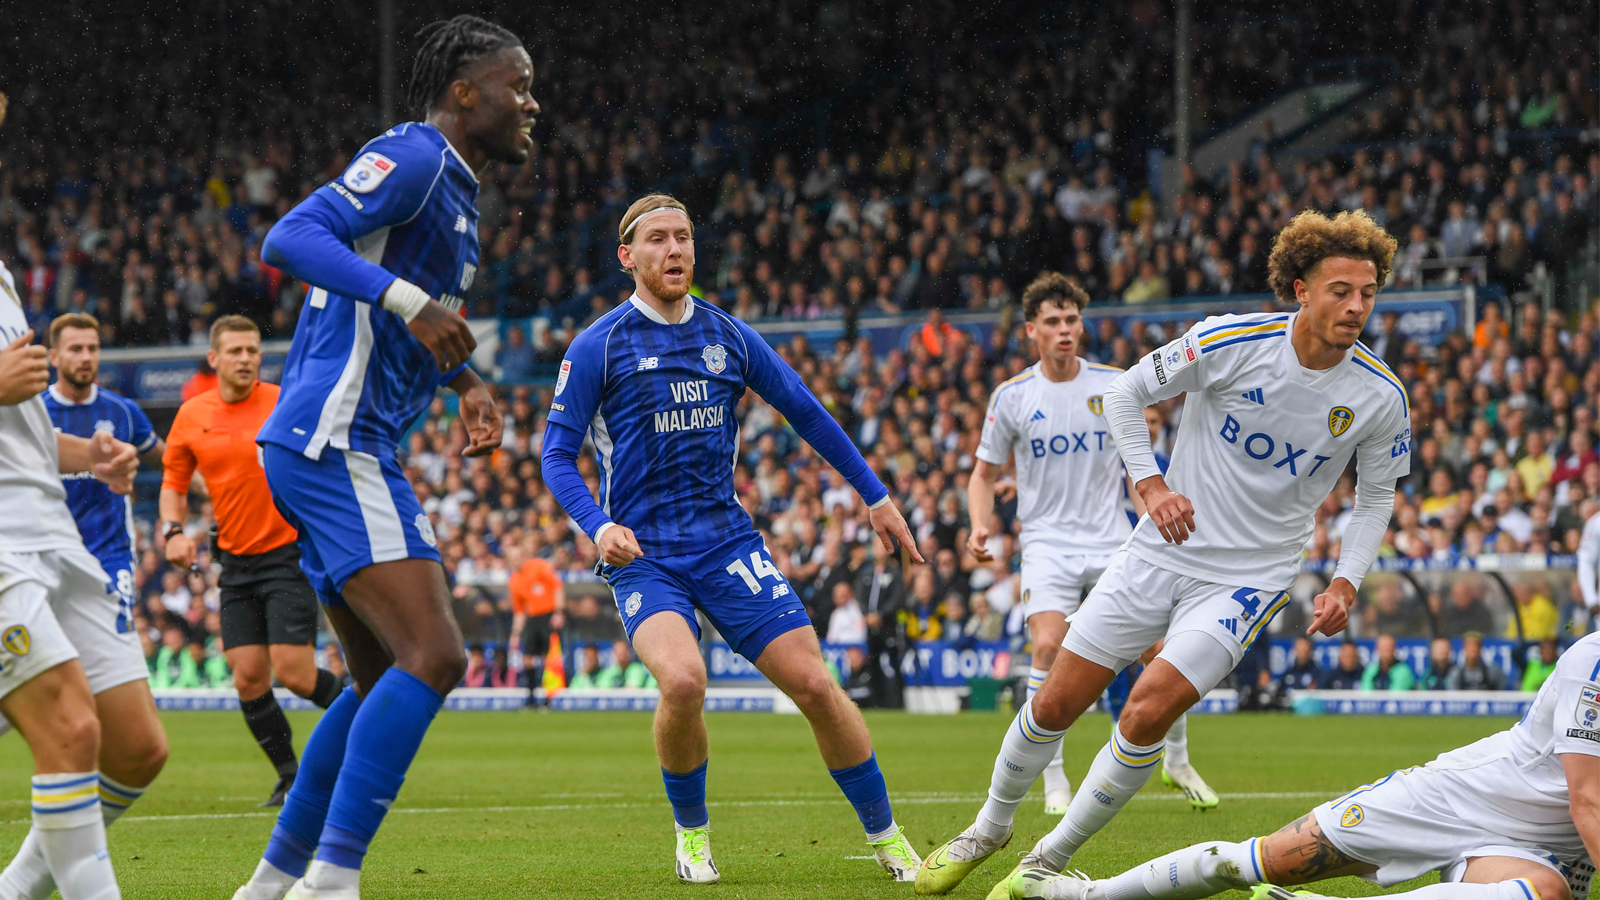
(815, 800)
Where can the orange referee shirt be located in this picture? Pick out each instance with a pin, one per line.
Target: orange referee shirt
(219, 438)
(533, 588)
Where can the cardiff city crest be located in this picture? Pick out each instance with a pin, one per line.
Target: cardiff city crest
(716, 357)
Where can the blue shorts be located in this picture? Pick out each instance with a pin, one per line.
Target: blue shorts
(735, 584)
(352, 510)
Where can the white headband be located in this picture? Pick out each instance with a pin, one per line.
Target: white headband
(642, 216)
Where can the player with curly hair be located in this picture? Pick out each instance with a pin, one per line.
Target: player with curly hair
(1279, 405)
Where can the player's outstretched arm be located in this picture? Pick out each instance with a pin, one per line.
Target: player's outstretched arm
(24, 371)
(980, 506)
(112, 461)
(485, 426)
(1583, 797)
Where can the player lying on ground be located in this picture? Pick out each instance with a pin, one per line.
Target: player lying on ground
(385, 248)
(655, 382)
(1278, 406)
(1070, 483)
(1515, 816)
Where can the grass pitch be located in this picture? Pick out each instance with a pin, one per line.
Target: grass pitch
(528, 804)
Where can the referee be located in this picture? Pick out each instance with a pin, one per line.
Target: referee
(269, 610)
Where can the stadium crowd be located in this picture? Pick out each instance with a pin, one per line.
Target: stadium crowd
(946, 187)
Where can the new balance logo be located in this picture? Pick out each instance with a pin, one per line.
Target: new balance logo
(1038, 416)
(461, 224)
(1231, 624)
(1255, 396)
(648, 362)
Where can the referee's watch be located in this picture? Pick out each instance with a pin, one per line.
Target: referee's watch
(172, 529)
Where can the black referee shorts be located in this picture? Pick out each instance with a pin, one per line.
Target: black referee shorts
(266, 599)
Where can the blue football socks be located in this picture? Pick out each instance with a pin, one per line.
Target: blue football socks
(687, 794)
(384, 737)
(863, 786)
(294, 838)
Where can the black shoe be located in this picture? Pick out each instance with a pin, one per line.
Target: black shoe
(279, 792)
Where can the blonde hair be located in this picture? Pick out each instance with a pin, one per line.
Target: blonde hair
(1312, 237)
(231, 323)
(646, 204)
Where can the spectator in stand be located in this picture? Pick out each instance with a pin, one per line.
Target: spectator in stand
(1348, 674)
(1473, 673)
(1302, 674)
(1538, 669)
(624, 671)
(588, 669)
(1466, 611)
(857, 680)
(1387, 672)
(477, 674)
(1441, 662)
(1539, 618)
(846, 624)
(516, 359)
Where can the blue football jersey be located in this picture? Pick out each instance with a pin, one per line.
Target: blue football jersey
(356, 377)
(658, 401)
(104, 517)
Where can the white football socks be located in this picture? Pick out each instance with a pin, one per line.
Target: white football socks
(28, 876)
(1519, 889)
(322, 875)
(72, 835)
(1055, 775)
(1188, 874)
(269, 882)
(1119, 771)
(1178, 742)
(1024, 753)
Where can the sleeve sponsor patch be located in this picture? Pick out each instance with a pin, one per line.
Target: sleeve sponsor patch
(561, 380)
(1587, 711)
(1171, 359)
(368, 171)
(558, 407)
(1584, 734)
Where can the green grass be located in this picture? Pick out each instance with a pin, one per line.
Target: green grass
(522, 805)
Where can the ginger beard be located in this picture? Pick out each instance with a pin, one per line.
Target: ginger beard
(667, 278)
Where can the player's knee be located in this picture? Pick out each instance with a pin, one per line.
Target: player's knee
(1550, 885)
(76, 734)
(815, 692)
(1145, 721)
(682, 687)
(1050, 710)
(144, 759)
(303, 684)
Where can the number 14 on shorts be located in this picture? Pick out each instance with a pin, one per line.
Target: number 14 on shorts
(760, 567)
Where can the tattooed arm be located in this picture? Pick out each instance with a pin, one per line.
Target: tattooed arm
(1299, 853)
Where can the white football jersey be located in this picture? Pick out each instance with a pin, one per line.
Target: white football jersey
(1069, 475)
(1513, 783)
(34, 502)
(1262, 443)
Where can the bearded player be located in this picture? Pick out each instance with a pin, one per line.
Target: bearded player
(655, 382)
(1515, 816)
(1279, 405)
(1069, 497)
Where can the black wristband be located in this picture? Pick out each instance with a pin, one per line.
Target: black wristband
(172, 529)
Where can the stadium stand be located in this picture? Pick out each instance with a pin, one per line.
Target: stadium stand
(941, 165)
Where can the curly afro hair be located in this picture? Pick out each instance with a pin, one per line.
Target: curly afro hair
(1055, 287)
(1312, 237)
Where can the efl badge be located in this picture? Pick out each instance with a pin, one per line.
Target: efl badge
(1340, 418)
(1587, 714)
(631, 605)
(1352, 816)
(425, 528)
(16, 640)
(716, 357)
(1096, 404)
(106, 425)
(561, 380)
(367, 172)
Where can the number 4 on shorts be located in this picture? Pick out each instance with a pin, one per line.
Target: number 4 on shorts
(763, 569)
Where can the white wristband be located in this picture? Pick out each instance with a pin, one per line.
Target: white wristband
(602, 530)
(405, 299)
(882, 501)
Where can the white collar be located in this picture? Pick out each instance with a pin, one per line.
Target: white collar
(94, 394)
(650, 313)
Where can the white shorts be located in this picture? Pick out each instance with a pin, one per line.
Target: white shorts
(58, 605)
(1055, 582)
(1136, 604)
(1405, 826)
